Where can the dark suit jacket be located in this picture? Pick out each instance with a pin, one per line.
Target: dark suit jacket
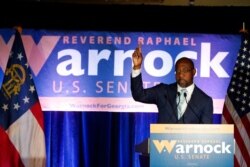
(199, 108)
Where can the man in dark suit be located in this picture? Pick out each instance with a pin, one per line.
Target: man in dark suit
(197, 106)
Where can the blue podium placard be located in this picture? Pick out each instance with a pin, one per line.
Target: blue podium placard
(191, 145)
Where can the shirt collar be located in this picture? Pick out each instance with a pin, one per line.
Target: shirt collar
(189, 89)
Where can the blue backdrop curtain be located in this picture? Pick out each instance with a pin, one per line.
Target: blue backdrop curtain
(96, 139)
(93, 139)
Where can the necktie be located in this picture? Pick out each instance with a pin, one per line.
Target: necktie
(180, 103)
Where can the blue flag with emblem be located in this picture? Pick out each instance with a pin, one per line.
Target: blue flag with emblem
(21, 118)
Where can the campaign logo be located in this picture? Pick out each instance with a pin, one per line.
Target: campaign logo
(37, 54)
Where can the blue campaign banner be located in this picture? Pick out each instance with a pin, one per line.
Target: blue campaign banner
(188, 145)
(90, 70)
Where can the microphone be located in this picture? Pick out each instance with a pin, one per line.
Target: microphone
(185, 95)
(179, 96)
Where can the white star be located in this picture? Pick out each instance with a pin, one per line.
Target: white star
(20, 56)
(26, 100)
(5, 107)
(32, 89)
(16, 106)
(242, 64)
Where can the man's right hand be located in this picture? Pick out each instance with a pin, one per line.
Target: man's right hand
(137, 58)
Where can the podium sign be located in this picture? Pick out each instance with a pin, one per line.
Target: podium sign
(191, 145)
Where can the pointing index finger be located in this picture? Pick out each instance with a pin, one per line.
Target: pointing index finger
(139, 46)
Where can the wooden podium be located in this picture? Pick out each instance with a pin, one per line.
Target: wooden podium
(185, 145)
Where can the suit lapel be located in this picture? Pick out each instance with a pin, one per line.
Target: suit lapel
(191, 103)
(173, 94)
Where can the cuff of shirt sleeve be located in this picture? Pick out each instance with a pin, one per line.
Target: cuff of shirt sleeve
(135, 73)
